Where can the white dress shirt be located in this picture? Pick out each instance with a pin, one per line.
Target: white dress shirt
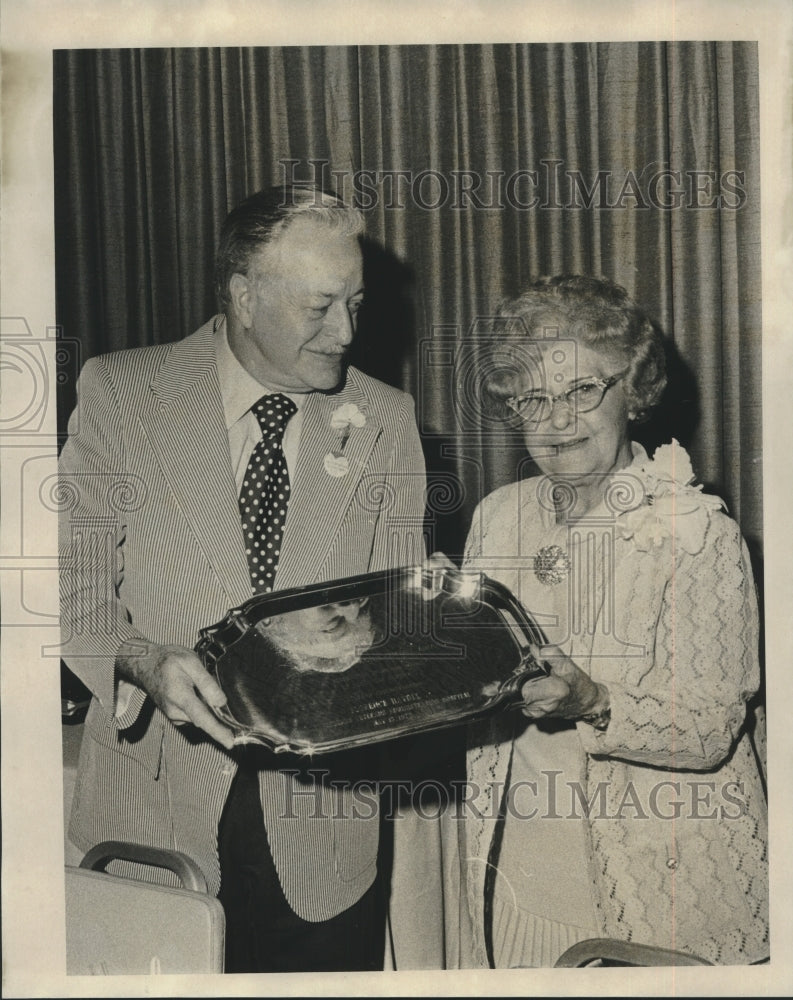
(239, 391)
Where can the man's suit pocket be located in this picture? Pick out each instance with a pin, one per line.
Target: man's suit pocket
(355, 840)
(142, 742)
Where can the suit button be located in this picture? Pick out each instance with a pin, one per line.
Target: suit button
(671, 864)
(227, 770)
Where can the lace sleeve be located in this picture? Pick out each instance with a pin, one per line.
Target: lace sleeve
(687, 709)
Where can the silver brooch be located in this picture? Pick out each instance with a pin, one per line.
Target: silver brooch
(551, 565)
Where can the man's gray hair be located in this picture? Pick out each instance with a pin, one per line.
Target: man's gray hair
(261, 219)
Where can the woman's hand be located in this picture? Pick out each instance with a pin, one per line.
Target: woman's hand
(429, 580)
(566, 693)
(438, 561)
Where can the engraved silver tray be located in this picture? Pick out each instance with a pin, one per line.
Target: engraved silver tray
(370, 658)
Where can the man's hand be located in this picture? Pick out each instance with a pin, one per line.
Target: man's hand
(176, 681)
(567, 692)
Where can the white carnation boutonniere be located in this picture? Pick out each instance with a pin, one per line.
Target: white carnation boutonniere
(342, 420)
(674, 508)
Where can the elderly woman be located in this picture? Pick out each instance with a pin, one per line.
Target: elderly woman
(624, 801)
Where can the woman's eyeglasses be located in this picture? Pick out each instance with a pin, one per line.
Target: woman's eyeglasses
(586, 395)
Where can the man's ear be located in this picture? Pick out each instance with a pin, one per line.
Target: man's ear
(241, 292)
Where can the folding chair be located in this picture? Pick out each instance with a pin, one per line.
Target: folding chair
(607, 952)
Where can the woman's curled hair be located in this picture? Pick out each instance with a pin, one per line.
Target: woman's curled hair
(592, 311)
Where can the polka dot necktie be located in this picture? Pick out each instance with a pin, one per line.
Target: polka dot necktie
(264, 496)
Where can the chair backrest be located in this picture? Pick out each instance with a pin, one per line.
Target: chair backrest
(609, 951)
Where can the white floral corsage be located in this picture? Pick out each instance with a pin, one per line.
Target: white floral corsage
(342, 420)
(674, 506)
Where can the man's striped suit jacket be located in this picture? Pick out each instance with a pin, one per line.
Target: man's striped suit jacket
(151, 546)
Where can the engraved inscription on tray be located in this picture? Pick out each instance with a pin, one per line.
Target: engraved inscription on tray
(354, 669)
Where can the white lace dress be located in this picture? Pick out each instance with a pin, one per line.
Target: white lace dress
(654, 830)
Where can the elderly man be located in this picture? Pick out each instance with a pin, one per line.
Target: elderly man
(248, 456)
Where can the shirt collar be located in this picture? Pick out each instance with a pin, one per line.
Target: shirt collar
(239, 390)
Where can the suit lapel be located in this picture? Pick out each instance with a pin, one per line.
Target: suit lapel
(187, 432)
(321, 500)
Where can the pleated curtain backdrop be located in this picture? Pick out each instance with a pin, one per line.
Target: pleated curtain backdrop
(479, 167)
